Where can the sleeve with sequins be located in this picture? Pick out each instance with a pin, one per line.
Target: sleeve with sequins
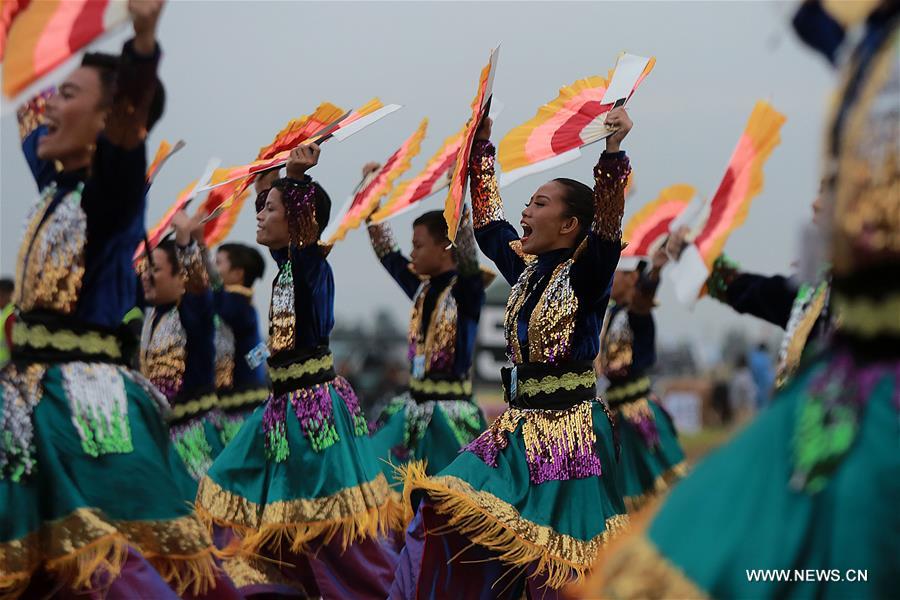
(388, 253)
(610, 176)
(193, 262)
(299, 199)
(769, 298)
(32, 127)
(493, 232)
(470, 287)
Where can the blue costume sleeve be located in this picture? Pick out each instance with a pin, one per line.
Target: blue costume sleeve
(392, 259)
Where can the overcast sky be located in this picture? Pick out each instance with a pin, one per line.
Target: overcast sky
(235, 72)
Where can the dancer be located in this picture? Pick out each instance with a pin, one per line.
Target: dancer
(299, 483)
(781, 495)
(651, 458)
(531, 500)
(93, 497)
(437, 416)
(177, 342)
(240, 354)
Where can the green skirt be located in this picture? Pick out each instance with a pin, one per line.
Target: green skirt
(88, 471)
(811, 497)
(651, 459)
(523, 488)
(433, 432)
(300, 468)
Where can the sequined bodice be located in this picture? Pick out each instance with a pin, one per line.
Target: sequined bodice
(224, 343)
(282, 320)
(617, 344)
(438, 344)
(163, 350)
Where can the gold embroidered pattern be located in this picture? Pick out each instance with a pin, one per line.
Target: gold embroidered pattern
(297, 370)
(238, 399)
(282, 320)
(163, 351)
(616, 349)
(552, 383)
(864, 192)
(38, 336)
(51, 257)
(365, 510)
(382, 239)
(794, 346)
(490, 522)
(624, 391)
(868, 318)
(441, 388)
(72, 547)
(439, 343)
(201, 404)
(224, 344)
(486, 203)
(193, 260)
(552, 323)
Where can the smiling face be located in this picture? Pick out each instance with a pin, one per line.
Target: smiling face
(166, 286)
(545, 225)
(76, 115)
(271, 222)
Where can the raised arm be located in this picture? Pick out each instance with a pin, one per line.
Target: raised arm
(495, 236)
(192, 256)
(392, 259)
(766, 297)
(33, 126)
(594, 267)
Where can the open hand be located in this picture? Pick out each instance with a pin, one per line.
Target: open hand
(187, 227)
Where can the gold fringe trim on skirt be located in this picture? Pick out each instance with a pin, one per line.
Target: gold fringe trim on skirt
(662, 485)
(366, 510)
(490, 522)
(76, 547)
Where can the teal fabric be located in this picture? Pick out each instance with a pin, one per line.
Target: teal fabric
(641, 466)
(243, 468)
(576, 507)
(737, 510)
(438, 446)
(148, 483)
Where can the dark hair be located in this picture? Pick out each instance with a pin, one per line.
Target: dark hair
(168, 246)
(579, 201)
(435, 223)
(321, 199)
(7, 285)
(107, 66)
(247, 258)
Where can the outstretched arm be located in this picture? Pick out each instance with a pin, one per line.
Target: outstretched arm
(392, 259)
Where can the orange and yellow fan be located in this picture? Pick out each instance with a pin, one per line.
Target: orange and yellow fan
(576, 118)
(163, 154)
(375, 186)
(460, 169)
(36, 36)
(728, 209)
(652, 223)
(432, 179)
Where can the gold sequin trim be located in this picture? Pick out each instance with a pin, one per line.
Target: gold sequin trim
(239, 289)
(382, 239)
(201, 404)
(441, 388)
(486, 203)
(794, 349)
(439, 343)
(551, 325)
(245, 571)
(361, 511)
(552, 383)
(38, 336)
(282, 320)
(297, 370)
(72, 547)
(610, 179)
(619, 392)
(636, 570)
(661, 485)
(490, 522)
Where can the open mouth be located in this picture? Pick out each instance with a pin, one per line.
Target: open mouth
(52, 126)
(526, 231)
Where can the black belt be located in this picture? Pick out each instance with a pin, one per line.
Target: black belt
(440, 388)
(629, 390)
(50, 337)
(239, 399)
(294, 370)
(556, 387)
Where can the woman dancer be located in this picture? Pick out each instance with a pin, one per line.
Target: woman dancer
(531, 500)
(299, 483)
(90, 489)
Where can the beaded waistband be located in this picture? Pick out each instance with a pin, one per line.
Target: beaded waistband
(297, 370)
(48, 337)
(627, 391)
(546, 386)
(432, 388)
